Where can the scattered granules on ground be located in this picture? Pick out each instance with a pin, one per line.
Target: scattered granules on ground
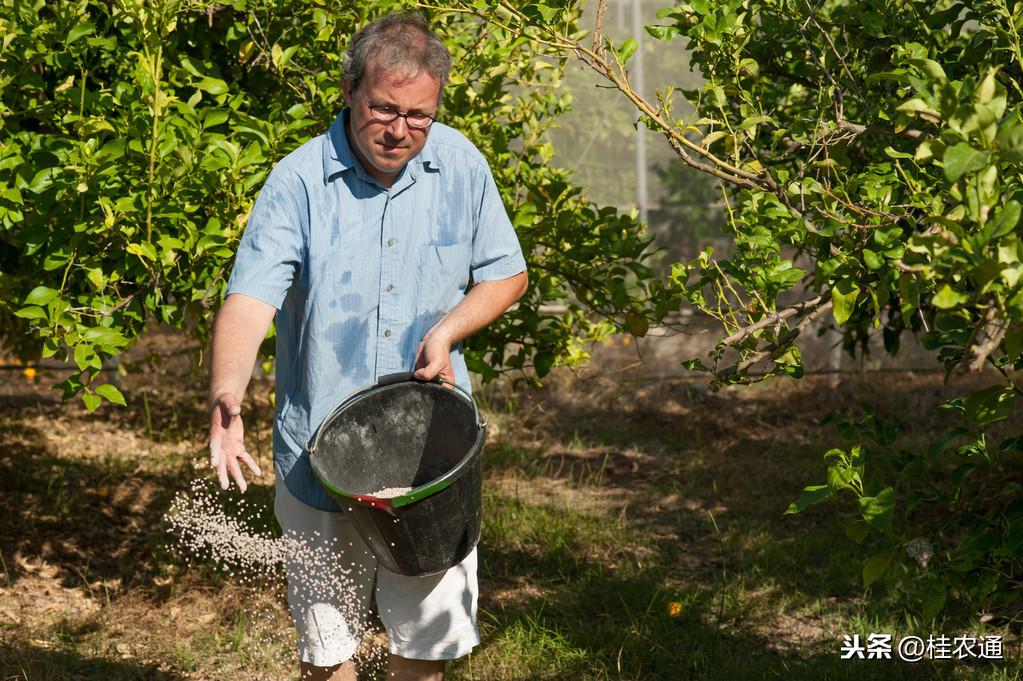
(205, 532)
(390, 492)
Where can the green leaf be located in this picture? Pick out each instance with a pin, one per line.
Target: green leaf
(95, 277)
(12, 194)
(842, 476)
(543, 362)
(94, 125)
(875, 568)
(857, 530)
(111, 393)
(877, 511)
(941, 444)
(111, 151)
(892, 152)
(790, 361)
(986, 88)
(1005, 220)
(947, 298)
(960, 474)
(917, 105)
(103, 336)
(960, 159)
(843, 300)
(1010, 143)
(754, 121)
(814, 494)
(717, 95)
(928, 149)
(872, 259)
(85, 356)
(42, 180)
(91, 401)
(214, 86)
(79, 30)
(662, 32)
(990, 405)
(695, 365)
(931, 68)
(31, 312)
(41, 295)
(143, 250)
(214, 117)
(750, 66)
(627, 49)
(712, 137)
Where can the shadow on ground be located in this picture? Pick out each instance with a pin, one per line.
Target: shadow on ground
(40, 664)
(94, 518)
(589, 622)
(696, 484)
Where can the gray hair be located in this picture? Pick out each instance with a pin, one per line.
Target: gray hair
(402, 41)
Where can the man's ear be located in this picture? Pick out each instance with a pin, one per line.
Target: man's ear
(346, 87)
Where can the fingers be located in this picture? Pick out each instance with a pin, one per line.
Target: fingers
(236, 473)
(226, 465)
(428, 372)
(222, 474)
(251, 463)
(214, 453)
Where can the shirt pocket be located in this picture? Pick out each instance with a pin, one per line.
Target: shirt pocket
(443, 275)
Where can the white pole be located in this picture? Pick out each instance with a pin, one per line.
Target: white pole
(637, 84)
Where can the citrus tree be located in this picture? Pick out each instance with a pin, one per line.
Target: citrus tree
(135, 134)
(871, 156)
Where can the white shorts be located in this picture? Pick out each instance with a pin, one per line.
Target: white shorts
(331, 574)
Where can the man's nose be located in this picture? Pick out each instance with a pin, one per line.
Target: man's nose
(398, 128)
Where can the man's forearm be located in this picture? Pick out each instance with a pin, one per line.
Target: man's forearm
(239, 329)
(484, 303)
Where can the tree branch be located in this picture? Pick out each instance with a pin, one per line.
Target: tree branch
(858, 129)
(787, 338)
(598, 30)
(772, 318)
(986, 338)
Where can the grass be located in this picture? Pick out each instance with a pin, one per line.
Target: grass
(628, 534)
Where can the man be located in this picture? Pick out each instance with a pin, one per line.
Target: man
(362, 243)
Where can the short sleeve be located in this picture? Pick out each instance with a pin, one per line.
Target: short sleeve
(272, 247)
(496, 253)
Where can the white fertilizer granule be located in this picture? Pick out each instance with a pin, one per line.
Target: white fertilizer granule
(205, 532)
(391, 492)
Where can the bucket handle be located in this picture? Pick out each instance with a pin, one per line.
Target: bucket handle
(389, 379)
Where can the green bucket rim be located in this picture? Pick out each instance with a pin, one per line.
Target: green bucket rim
(423, 491)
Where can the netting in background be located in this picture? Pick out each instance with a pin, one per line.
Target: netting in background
(635, 169)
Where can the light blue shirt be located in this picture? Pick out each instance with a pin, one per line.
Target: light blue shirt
(360, 273)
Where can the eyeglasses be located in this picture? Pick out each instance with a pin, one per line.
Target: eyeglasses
(388, 114)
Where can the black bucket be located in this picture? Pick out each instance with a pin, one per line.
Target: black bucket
(401, 433)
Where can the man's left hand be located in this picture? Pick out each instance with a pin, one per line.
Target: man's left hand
(433, 359)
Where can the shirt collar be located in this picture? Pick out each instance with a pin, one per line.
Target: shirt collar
(338, 156)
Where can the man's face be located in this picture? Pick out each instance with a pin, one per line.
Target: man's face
(385, 148)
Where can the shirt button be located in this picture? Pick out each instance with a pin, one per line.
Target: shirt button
(387, 334)
(390, 242)
(390, 287)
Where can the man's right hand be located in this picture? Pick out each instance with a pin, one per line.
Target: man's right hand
(227, 442)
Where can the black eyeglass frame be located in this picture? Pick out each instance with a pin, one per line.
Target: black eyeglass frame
(388, 114)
